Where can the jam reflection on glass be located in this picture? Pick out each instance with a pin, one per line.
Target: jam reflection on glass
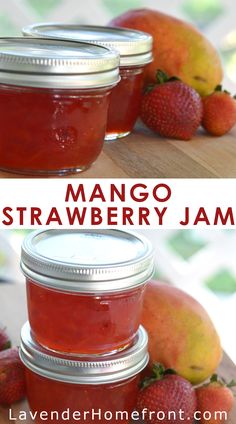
(51, 130)
(49, 395)
(84, 323)
(125, 103)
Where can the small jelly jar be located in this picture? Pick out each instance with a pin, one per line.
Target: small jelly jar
(135, 49)
(85, 288)
(54, 98)
(105, 388)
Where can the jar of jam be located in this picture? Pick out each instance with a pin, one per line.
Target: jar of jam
(85, 288)
(93, 389)
(54, 98)
(135, 49)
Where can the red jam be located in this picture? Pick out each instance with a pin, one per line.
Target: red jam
(135, 49)
(85, 288)
(80, 323)
(125, 103)
(54, 98)
(98, 400)
(51, 131)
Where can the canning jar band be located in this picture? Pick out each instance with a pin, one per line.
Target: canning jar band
(87, 261)
(71, 369)
(89, 287)
(57, 81)
(88, 255)
(134, 47)
(72, 379)
(136, 60)
(52, 63)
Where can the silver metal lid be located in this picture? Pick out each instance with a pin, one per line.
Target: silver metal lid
(39, 62)
(135, 47)
(87, 261)
(84, 369)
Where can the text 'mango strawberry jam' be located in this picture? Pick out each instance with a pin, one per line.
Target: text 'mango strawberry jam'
(135, 49)
(56, 383)
(54, 99)
(85, 288)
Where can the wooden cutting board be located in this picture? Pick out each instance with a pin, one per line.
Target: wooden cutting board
(145, 155)
(13, 314)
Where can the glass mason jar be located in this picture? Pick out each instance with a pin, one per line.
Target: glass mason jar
(85, 288)
(61, 386)
(54, 98)
(135, 49)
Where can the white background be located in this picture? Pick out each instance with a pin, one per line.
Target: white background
(47, 194)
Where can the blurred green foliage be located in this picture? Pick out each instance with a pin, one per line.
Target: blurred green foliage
(7, 27)
(43, 7)
(116, 7)
(202, 12)
(223, 282)
(22, 233)
(186, 243)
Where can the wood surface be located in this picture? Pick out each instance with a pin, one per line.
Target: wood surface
(13, 314)
(145, 155)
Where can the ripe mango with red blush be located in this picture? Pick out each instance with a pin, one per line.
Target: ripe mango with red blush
(181, 334)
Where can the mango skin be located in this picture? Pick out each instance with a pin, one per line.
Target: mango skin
(181, 333)
(179, 49)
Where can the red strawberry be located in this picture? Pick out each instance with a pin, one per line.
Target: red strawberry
(219, 112)
(4, 340)
(214, 398)
(169, 396)
(172, 108)
(12, 377)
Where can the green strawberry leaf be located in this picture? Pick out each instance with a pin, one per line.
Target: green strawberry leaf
(163, 77)
(149, 88)
(219, 88)
(222, 381)
(174, 79)
(158, 372)
(231, 384)
(170, 371)
(7, 345)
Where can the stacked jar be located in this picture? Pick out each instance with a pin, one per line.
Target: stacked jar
(59, 100)
(54, 98)
(83, 347)
(135, 50)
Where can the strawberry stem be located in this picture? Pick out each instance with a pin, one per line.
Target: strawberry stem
(214, 378)
(218, 87)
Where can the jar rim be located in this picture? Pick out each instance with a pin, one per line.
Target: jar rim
(87, 261)
(82, 369)
(134, 47)
(50, 63)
